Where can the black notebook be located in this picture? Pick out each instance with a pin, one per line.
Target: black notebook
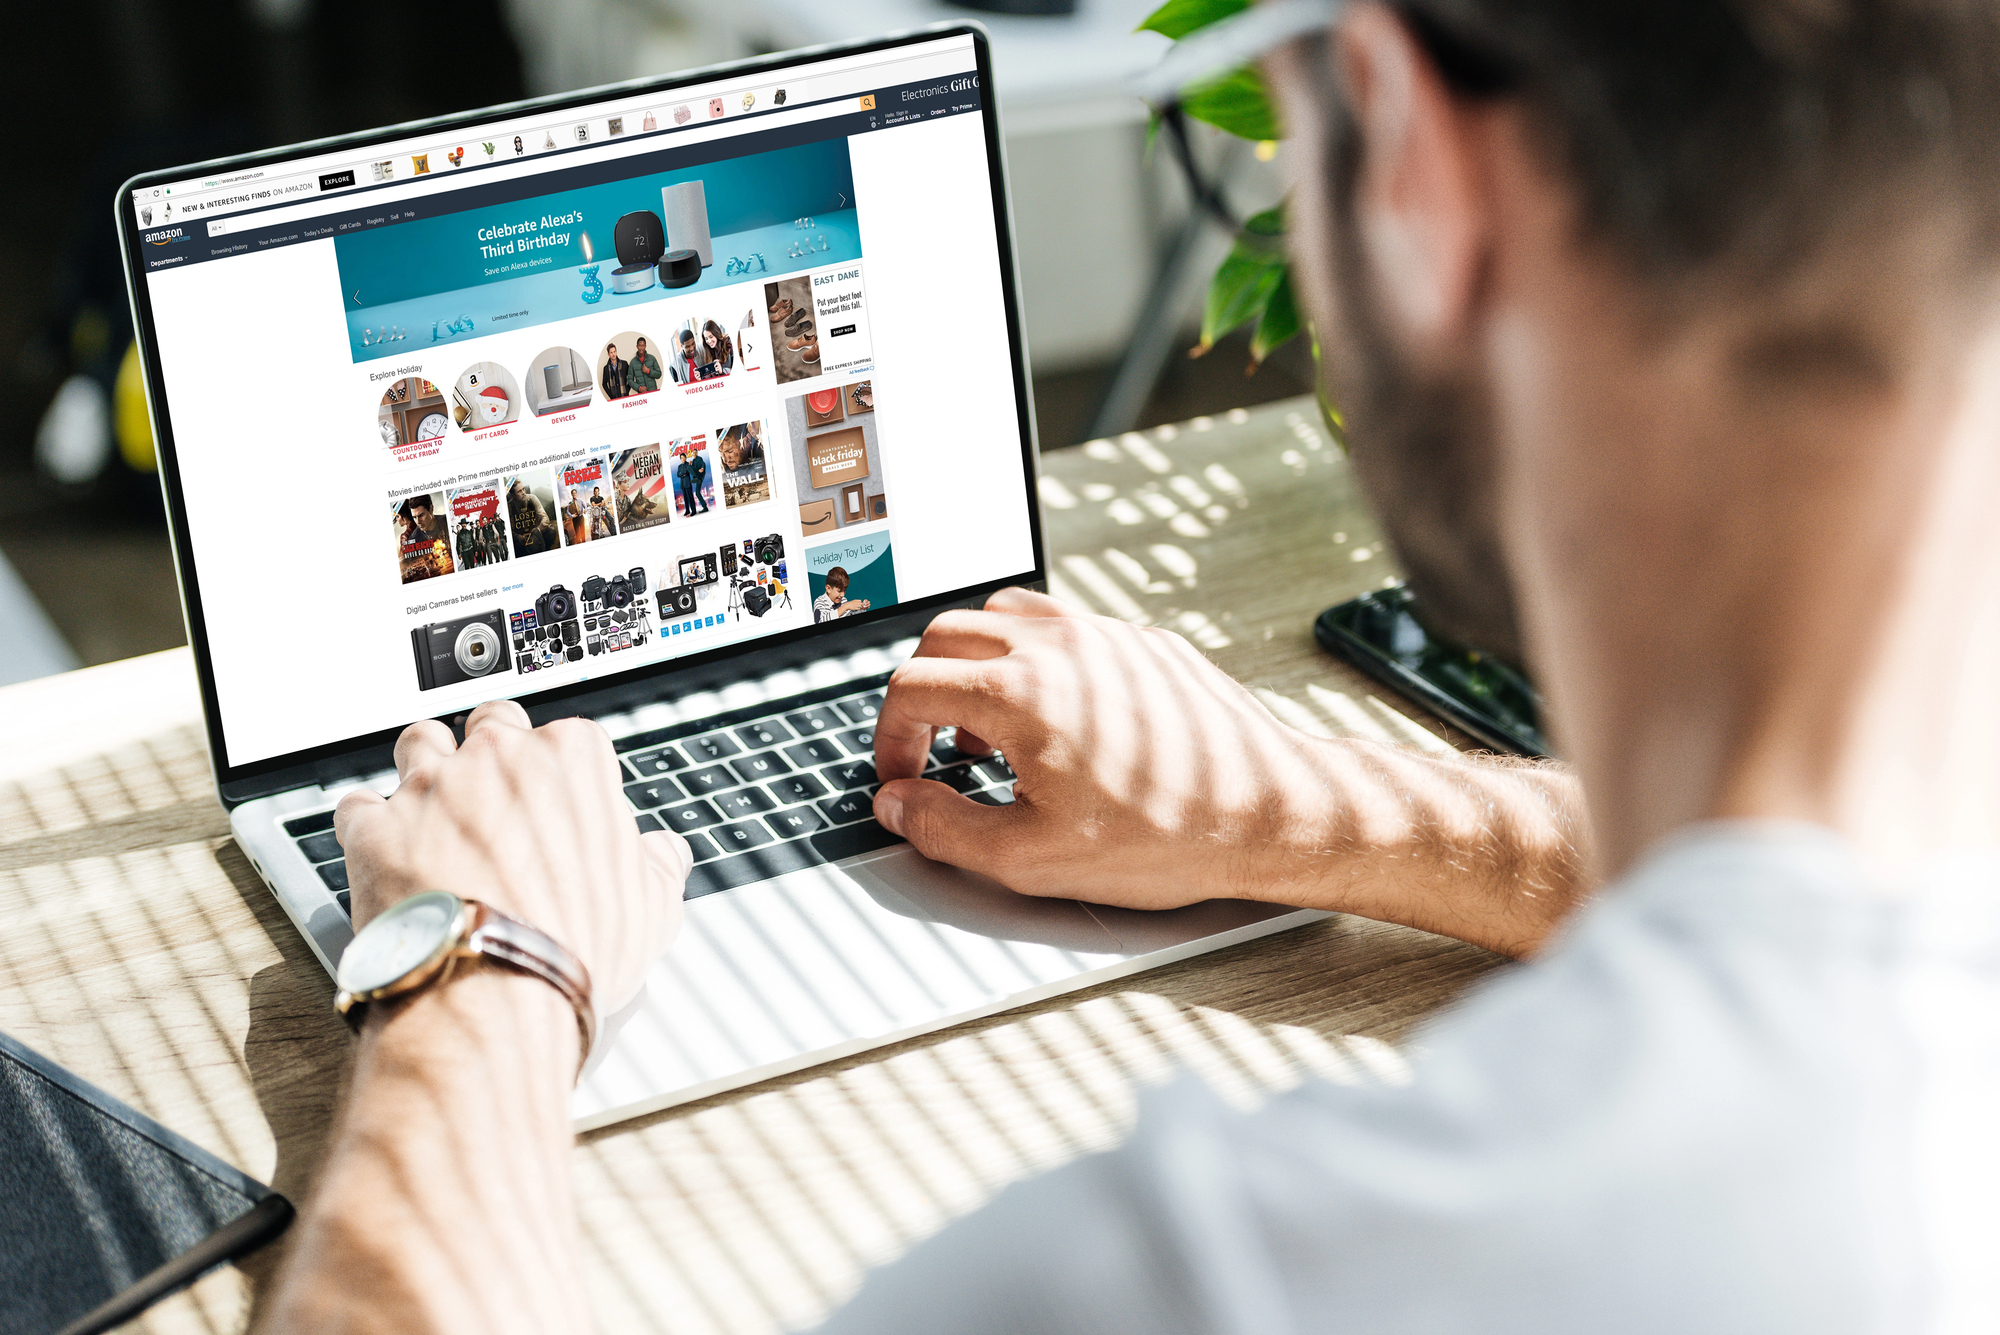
(103, 1210)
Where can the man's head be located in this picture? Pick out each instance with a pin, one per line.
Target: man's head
(420, 511)
(641, 346)
(836, 585)
(1470, 173)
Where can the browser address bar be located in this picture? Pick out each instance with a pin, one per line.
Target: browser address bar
(445, 184)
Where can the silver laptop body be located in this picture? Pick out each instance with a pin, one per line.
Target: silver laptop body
(852, 940)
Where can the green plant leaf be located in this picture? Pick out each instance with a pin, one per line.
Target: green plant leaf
(1235, 103)
(1178, 18)
(1239, 292)
(1279, 322)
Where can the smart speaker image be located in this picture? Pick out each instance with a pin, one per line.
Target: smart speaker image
(686, 207)
(680, 268)
(640, 241)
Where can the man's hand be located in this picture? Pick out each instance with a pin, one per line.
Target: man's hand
(1148, 779)
(532, 821)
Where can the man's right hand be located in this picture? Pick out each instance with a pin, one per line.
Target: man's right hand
(1147, 778)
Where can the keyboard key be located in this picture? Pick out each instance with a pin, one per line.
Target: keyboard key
(818, 751)
(715, 746)
(797, 821)
(744, 835)
(995, 770)
(861, 741)
(658, 793)
(744, 802)
(313, 824)
(709, 779)
(685, 816)
(845, 842)
(960, 777)
(994, 797)
(763, 765)
(334, 874)
(864, 709)
(809, 721)
(796, 788)
(699, 845)
(321, 847)
(652, 764)
(773, 859)
(944, 751)
(767, 733)
(853, 806)
(648, 824)
(849, 774)
(345, 898)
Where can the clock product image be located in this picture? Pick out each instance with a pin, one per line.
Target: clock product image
(431, 425)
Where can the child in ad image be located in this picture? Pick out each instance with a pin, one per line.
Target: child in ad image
(849, 577)
(584, 485)
(694, 479)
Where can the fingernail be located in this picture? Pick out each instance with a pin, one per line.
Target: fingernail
(889, 810)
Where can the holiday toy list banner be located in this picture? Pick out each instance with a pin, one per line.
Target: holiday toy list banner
(457, 276)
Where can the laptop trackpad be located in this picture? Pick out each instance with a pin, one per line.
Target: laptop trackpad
(908, 883)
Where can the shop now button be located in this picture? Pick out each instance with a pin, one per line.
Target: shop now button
(839, 330)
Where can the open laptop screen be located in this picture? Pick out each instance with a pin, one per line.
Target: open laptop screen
(557, 392)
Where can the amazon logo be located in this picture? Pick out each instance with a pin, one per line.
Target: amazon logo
(165, 237)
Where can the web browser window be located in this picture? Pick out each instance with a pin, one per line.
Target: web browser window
(475, 414)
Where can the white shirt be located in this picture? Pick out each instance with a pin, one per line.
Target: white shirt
(1748, 1090)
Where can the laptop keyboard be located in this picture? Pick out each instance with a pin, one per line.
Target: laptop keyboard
(756, 792)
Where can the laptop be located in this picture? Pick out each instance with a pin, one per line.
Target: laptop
(682, 405)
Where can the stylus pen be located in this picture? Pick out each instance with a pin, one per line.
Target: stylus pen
(240, 1236)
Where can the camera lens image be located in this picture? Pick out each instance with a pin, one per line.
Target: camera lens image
(477, 649)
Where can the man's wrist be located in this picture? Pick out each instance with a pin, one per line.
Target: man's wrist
(486, 1019)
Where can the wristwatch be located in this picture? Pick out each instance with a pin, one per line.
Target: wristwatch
(416, 943)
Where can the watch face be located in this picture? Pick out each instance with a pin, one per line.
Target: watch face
(399, 941)
(431, 427)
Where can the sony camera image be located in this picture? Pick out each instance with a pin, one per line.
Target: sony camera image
(451, 652)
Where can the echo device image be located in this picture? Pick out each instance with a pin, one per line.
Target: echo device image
(686, 208)
(680, 268)
(552, 381)
(639, 239)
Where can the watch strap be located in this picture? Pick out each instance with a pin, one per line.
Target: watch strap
(512, 942)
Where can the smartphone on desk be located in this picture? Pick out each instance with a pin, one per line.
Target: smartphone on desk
(1379, 633)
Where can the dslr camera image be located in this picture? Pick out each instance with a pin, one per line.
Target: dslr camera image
(450, 652)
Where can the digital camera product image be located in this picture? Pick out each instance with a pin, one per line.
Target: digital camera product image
(618, 593)
(769, 550)
(698, 569)
(641, 240)
(450, 652)
(558, 604)
(676, 601)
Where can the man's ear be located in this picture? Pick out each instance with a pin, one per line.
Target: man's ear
(1421, 204)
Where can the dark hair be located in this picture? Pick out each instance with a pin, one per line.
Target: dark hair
(836, 578)
(1741, 133)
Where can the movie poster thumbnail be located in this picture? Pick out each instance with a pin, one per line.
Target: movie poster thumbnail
(485, 396)
(703, 350)
(584, 501)
(639, 479)
(630, 364)
(746, 477)
(531, 512)
(691, 472)
(478, 533)
(423, 537)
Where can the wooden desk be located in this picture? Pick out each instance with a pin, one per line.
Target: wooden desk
(138, 947)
